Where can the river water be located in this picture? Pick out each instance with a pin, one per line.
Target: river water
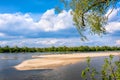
(69, 72)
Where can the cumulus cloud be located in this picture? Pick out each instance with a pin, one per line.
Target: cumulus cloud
(113, 14)
(52, 22)
(23, 24)
(113, 21)
(17, 29)
(113, 26)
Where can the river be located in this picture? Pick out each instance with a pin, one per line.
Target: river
(69, 72)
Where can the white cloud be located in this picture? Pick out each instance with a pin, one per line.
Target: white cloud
(3, 43)
(113, 14)
(2, 35)
(42, 42)
(113, 26)
(113, 21)
(48, 42)
(21, 25)
(24, 24)
(118, 42)
(52, 22)
(16, 22)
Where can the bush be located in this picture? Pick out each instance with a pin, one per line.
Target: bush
(110, 70)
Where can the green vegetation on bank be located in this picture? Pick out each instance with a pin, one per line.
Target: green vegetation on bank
(16, 49)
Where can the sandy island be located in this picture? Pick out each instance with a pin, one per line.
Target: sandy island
(56, 60)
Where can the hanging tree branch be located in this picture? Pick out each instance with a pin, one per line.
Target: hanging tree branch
(90, 14)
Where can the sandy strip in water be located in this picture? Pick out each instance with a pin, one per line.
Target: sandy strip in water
(56, 60)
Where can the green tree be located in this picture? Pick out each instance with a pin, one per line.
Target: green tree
(89, 15)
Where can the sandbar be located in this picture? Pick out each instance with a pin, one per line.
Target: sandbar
(57, 60)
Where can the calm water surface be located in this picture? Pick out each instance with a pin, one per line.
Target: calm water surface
(69, 72)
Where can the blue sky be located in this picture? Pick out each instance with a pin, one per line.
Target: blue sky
(34, 23)
(27, 6)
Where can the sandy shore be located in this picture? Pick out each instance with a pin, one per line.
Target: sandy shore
(53, 61)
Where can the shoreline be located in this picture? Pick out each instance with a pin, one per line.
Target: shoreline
(57, 60)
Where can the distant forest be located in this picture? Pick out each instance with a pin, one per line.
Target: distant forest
(17, 49)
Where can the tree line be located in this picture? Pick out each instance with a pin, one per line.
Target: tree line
(17, 49)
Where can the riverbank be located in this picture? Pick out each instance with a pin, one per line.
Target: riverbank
(16, 49)
(57, 60)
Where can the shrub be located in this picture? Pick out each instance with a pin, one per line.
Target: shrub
(110, 70)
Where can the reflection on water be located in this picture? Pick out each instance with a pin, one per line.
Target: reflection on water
(69, 72)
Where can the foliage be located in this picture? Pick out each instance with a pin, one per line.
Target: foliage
(17, 49)
(110, 70)
(89, 15)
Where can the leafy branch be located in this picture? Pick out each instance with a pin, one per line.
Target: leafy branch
(110, 70)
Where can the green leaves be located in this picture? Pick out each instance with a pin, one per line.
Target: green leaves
(95, 23)
(83, 74)
(89, 14)
(89, 72)
(110, 70)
